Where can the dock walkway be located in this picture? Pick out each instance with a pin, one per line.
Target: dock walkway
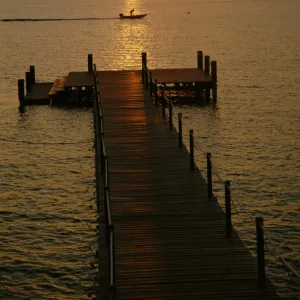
(170, 240)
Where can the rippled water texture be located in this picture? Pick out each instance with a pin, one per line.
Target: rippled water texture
(47, 186)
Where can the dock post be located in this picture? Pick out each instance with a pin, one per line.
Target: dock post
(228, 209)
(260, 241)
(207, 94)
(170, 115)
(209, 176)
(21, 92)
(180, 130)
(90, 62)
(144, 68)
(214, 73)
(112, 261)
(163, 107)
(143, 65)
(192, 159)
(206, 64)
(32, 72)
(28, 82)
(156, 93)
(200, 60)
(106, 234)
(150, 85)
(146, 79)
(206, 70)
(214, 79)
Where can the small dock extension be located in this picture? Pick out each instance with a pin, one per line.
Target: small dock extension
(56, 93)
(186, 85)
(75, 88)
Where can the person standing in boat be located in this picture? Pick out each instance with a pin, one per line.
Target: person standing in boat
(132, 12)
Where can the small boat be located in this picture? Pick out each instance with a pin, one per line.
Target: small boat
(132, 16)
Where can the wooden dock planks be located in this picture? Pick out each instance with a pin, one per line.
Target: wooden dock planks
(79, 79)
(38, 95)
(58, 86)
(170, 239)
(186, 75)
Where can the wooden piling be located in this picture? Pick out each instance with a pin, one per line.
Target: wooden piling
(28, 82)
(214, 73)
(180, 143)
(192, 159)
(260, 242)
(146, 79)
(207, 94)
(170, 115)
(209, 176)
(150, 84)
(214, 80)
(163, 108)
(90, 62)
(214, 94)
(112, 263)
(200, 60)
(228, 209)
(143, 66)
(156, 93)
(206, 64)
(32, 72)
(21, 92)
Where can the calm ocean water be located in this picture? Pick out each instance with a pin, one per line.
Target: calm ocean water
(47, 171)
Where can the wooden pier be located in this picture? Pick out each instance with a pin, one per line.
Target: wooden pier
(165, 236)
(161, 233)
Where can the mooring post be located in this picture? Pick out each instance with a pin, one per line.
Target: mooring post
(102, 153)
(214, 73)
(144, 73)
(180, 130)
(214, 94)
(209, 176)
(146, 79)
(206, 64)
(143, 66)
(21, 92)
(95, 76)
(200, 60)
(163, 108)
(156, 93)
(112, 263)
(110, 255)
(207, 94)
(214, 79)
(192, 159)
(260, 241)
(228, 209)
(170, 115)
(90, 62)
(105, 189)
(28, 82)
(32, 72)
(150, 84)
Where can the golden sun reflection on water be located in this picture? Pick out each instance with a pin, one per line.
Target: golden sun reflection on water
(131, 42)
